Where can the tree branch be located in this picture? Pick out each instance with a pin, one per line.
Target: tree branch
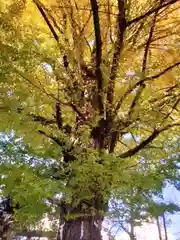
(27, 78)
(76, 110)
(121, 27)
(151, 11)
(144, 143)
(162, 72)
(144, 64)
(98, 42)
(58, 115)
(172, 109)
(56, 140)
(66, 151)
(113, 141)
(124, 228)
(131, 88)
(40, 7)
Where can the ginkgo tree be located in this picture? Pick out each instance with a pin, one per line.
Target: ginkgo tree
(91, 83)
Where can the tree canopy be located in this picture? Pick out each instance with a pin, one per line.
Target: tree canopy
(93, 85)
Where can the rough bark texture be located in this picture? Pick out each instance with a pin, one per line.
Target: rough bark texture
(92, 229)
(85, 227)
(71, 230)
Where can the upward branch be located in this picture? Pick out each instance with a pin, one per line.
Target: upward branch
(144, 64)
(98, 43)
(41, 9)
(121, 26)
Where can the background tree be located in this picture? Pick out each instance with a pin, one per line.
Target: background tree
(76, 77)
(24, 192)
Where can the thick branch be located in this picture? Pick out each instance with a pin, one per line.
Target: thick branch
(42, 11)
(144, 143)
(121, 26)
(98, 42)
(151, 11)
(113, 141)
(66, 151)
(124, 228)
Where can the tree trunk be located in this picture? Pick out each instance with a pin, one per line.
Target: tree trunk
(71, 230)
(86, 229)
(159, 228)
(82, 227)
(92, 228)
(165, 227)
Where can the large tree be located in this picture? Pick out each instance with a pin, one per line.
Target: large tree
(91, 84)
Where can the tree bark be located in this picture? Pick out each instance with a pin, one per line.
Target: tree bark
(71, 230)
(79, 229)
(82, 221)
(80, 226)
(92, 228)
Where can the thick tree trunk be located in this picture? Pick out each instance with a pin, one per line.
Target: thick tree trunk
(86, 229)
(92, 228)
(80, 228)
(71, 230)
(82, 221)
